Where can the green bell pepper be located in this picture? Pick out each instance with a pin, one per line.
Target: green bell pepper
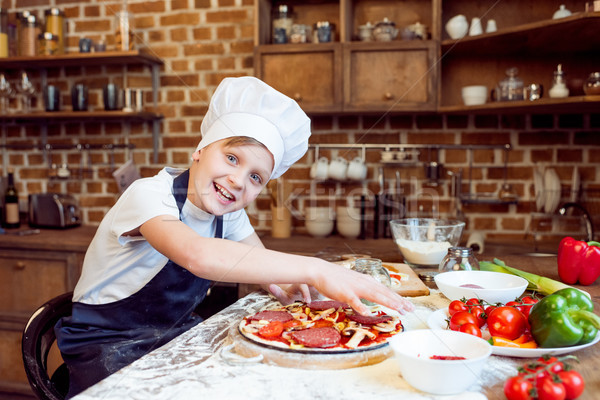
(564, 318)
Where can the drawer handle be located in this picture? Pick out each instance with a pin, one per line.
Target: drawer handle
(20, 265)
(388, 96)
(297, 97)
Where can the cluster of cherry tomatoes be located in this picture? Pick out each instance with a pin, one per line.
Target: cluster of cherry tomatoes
(508, 321)
(548, 378)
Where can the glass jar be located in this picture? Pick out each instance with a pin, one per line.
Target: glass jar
(55, 24)
(282, 24)
(592, 84)
(48, 44)
(373, 267)
(511, 87)
(459, 259)
(559, 86)
(3, 33)
(29, 36)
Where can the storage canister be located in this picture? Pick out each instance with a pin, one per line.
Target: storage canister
(28, 36)
(55, 24)
(48, 44)
(282, 24)
(3, 32)
(124, 31)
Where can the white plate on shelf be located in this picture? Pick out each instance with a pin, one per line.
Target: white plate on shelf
(540, 196)
(552, 189)
(437, 320)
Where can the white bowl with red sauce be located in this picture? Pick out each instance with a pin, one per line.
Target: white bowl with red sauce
(493, 287)
(440, 362)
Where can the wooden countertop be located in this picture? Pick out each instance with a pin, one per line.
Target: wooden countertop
(76, 239)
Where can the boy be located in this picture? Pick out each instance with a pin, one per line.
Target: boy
(158, 249)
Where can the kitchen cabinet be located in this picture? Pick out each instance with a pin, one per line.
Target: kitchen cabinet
(108, 58)
(33, 269)
(427, 75)
(347, 75)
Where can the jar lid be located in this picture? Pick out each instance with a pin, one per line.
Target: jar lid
(54, 11)
(22, 15)
(31, 20)
(47, 36)
(460, 251)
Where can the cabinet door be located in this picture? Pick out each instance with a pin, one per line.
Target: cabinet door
(29, 279)
(390, 76)
(310, 74)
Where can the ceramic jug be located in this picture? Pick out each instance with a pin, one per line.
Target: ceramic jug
(385, 31)
(457, 26)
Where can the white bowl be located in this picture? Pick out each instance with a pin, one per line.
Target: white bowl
(319, 228)
(425, 241)
(413, 349)
(474, 95)
(497, 287)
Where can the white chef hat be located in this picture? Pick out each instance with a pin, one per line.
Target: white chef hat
(246, 106)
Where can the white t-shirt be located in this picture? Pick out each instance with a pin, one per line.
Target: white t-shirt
(116, 266)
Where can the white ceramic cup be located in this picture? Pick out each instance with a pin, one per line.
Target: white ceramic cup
(357, 170)
(320, 169)
(338, 168)
(475, 28)
(491, 26)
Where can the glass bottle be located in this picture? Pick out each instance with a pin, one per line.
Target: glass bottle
(124, 31)
(282, 24)
(11, 203)
(559, 87)
(459, 259)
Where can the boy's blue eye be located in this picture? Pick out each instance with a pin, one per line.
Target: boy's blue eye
(256, 178)
(231, 158)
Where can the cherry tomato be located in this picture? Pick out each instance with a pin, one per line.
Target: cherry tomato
(506, 322)
(518, 388)
(513, 304)
(555, 365)
(461, 318)
(272, 329)
(470, 328)
(573, 383)
(549, 390)
(489, 309)
(456, 306)
(473, 301)
(479, 313)
(529, 300)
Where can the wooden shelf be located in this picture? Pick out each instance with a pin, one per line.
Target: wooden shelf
(60, 116)
(573, 34)
(81, 59)
(545, 105)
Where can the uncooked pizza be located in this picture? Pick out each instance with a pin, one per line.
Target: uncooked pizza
(320, 326)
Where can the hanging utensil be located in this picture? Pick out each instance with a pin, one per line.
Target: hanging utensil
(378, 204)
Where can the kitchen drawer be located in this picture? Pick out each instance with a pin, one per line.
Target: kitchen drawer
(12, 373)
(30, 278)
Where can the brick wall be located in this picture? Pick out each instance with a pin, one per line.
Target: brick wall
(203, 41)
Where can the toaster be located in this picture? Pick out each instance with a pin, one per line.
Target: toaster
(53, 210)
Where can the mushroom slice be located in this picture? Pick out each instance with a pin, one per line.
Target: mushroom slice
(358, 336)
(386, 327)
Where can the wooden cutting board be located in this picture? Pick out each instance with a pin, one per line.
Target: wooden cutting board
(412, 287)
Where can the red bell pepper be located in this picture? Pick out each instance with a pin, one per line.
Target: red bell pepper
(578, 261)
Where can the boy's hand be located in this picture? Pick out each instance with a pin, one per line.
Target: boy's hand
(287, 294)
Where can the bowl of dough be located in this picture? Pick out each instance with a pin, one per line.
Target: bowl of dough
(423, 242)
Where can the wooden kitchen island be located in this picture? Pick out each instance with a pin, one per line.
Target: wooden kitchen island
(193, 366)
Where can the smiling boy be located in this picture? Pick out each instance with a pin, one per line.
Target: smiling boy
(169, 237)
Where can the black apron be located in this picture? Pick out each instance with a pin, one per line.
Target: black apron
(98, 340)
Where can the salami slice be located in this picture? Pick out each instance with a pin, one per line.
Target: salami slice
(323, 305)
(270, 316)
(369, 319)
(318, 337)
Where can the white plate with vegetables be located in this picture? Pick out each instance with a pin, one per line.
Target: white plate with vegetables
(437, 320)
